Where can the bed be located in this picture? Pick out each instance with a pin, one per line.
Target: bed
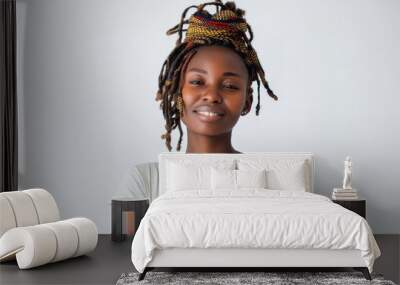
(252, 210)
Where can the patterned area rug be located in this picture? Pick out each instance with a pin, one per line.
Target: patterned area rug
(275, 278)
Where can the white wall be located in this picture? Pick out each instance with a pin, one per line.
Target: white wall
(88, 74)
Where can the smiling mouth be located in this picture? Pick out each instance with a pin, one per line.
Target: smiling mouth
(209, 114)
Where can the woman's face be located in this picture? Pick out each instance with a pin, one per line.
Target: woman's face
(214, 91)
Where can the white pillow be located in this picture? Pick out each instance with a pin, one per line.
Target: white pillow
(236, 179)
(223, 179)
(188, 175)
(282, 174)
(251, 178)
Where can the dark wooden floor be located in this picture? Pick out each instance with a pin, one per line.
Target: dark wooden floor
(110, 260)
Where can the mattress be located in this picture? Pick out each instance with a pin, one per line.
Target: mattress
(250, 219)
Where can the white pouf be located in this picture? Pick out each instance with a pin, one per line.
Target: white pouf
(31, 232)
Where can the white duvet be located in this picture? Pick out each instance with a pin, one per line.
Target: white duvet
(252, 218)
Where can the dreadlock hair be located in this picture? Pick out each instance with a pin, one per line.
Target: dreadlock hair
(227, 27)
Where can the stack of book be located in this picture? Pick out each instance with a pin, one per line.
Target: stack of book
(344, 194)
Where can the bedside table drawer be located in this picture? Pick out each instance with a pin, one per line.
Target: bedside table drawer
(357, 206)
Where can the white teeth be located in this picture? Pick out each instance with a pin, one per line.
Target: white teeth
(208, 113)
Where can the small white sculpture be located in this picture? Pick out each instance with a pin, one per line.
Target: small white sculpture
(347, 173)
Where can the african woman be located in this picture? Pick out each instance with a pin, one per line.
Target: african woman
(206, 80)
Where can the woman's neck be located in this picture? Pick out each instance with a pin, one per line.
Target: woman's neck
(210, 144)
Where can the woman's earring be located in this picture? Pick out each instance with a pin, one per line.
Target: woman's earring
(179, 104)
(244, 112)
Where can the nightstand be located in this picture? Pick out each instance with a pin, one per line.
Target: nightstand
(126, 215)
(357, 206)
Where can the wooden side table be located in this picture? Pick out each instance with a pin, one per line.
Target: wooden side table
(357, 206)
(125, 217)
